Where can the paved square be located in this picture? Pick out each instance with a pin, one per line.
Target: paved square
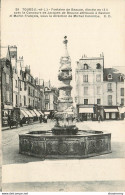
(80, 173)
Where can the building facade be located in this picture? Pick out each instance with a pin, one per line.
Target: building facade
(89, 86)
(6, 85)
(51, 97)
(31, 96)
(113, 93)
(16, 91)
(99, 90)
(22, 95)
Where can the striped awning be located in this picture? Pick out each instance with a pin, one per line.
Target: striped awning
(28, 113)
(24, 113)
(33, 113)
(37, 113)
(41, 113)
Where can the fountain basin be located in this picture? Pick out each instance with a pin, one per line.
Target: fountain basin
(45, 145)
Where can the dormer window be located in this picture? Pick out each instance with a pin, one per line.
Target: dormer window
(98, 66)
(85, 66)
(109, 76)
(121, 78)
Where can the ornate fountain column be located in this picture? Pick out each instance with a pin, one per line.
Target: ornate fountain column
(65, 116)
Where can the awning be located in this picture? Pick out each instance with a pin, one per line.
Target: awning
(36, 112)
(33, 113)
(24, 113)
(111, 110)
(86, 110)
(8, 107)
(46, 113)
(29, 113)
(41, 113)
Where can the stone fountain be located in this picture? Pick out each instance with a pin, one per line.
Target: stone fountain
(65, 115)
(65, 140)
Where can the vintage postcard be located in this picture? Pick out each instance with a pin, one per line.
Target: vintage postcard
(62, 96)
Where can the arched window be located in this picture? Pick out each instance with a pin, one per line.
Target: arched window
(98, 66)
(85, 66)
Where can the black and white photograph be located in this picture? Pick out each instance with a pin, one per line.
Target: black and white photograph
(62, 96)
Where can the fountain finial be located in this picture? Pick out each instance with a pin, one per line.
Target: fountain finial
(65, 40)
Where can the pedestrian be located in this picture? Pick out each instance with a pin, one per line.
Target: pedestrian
(21, 122)
(46, 118)
(99, 118)
(28, 120)
(40, 118)
(9, 121)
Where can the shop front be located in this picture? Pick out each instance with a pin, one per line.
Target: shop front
(86, 113)
(111, 113)
(6, 114)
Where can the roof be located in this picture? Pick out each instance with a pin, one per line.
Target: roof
(91, 58)
(114, 72)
